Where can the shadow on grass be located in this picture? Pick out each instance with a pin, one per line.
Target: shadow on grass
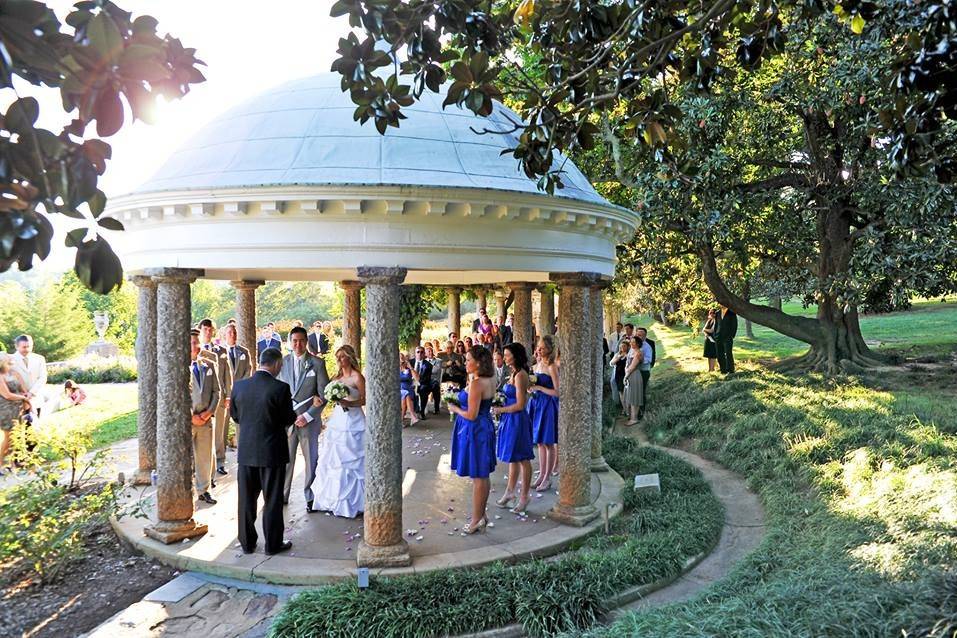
(861, 497)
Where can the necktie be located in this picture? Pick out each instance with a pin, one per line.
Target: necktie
(196, 373)
(232, 356)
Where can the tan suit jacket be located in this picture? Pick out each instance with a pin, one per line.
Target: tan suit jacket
(205, 394)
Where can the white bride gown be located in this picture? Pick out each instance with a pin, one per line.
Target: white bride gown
(340, 476)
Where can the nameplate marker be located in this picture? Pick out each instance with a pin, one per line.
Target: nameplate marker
(363, 574)
(647, 482)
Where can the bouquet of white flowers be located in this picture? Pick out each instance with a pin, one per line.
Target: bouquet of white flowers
(498, 401)
(451, 397)
(335, 392)
(532, 380)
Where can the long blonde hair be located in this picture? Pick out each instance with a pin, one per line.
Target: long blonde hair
(552, 349)
(350, 353)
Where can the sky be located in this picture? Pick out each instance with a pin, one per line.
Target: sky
(247, 47)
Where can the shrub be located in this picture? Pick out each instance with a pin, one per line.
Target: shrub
(94, 369)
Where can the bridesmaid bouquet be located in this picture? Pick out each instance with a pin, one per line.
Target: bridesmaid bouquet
(450, 397)
(532, 381)
(498, 401)
(335, 392)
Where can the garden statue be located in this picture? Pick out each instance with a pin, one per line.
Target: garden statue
(101, 321)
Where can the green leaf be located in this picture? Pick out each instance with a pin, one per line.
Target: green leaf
(22, 114)
(108, 111)
(97, 203)
(857, 24)
(105, 38)
(110, 223)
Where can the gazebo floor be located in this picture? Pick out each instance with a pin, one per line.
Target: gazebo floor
(435, 508)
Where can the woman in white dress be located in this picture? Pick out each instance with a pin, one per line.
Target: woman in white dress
(340, 477)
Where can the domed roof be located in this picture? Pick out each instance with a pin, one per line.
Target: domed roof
(302, 134)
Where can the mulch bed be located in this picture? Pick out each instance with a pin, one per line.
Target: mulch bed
(106, 580)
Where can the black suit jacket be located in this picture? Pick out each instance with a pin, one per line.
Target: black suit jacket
(318, 344)
(727, 327)
(425, 372)
(262, 406)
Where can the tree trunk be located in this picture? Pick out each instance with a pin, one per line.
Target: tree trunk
(775, 302)
(748, 328)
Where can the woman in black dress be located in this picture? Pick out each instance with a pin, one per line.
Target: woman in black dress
(618, 362)
(710, 347)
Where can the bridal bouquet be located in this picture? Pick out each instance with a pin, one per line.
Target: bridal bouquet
(451, 397)
(335, 392)
(532, 380)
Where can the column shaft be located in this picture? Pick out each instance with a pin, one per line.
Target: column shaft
(246, 330)
(546, 312)
(574, 505)
(455, 311)
(481, 299)
(174, 451)
(598, 463)
(382, 544)
(146, 378)
(500, 298)
(352, 315)
(523, 331)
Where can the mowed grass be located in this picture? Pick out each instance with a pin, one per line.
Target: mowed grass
(107, 416)
(860, 487)
(926, 330)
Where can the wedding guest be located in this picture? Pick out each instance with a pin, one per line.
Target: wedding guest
(457, 369)
(340, 488)
(467, 343)
(543, 410)
(268, 339)
(238, 366)
(618, 364)
(406, 391)
(504, 331)
(503, 371)
(204, 392)
(307, 378)
(318, 344)
(647, 361)
(14, 401)
(473, 437)
(262, 405)
(436, 388)
(633, 396)
(216, 356)
(422, 371)
(710, 348)
(74, 393)
(725, 332)
(32, 368)
(515, 429)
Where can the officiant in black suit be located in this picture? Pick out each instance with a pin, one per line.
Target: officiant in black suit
(423, 373)
(262, 406)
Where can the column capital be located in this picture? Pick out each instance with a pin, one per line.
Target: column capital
(520, 285)
(247, 284)
(350, 284)
(175, 275)
(381, 275)
(454, 289)
(590, 279)
(142, 281)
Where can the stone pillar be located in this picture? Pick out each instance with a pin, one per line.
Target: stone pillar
(174, 441)
(612, 316)
(523, 331)
(455, 310)
(352, 315)
(574, 505)
(500, 298)
(146, 377)
(481, 299)
(246, 329)
(599, 372)
(382, 544)
(546, 312)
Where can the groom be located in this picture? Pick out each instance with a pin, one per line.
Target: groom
(307, 378)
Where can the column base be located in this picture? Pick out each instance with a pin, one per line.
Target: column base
(142, 477)
(574, 516)
(383, 556)
(599, 465)
(169, 532)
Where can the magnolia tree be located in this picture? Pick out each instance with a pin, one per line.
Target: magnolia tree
(102, 61)
(803, 141)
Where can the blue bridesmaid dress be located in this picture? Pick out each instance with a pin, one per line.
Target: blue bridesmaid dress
(543, 411)
(473, 442)
(405, 384)
(514, 432)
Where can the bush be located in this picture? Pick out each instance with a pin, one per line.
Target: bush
(94, 369)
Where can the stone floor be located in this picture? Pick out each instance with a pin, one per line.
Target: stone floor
(436, 507)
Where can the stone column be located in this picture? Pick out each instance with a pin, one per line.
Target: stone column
(455, 310)
(174, 441)
(612, 316)
(352, 315)
(246, 329)
(145, 377)
(599, 371)
(523, 331)
(500, 298)
(574, 505)
(382, 544)
(481, 299)
(546, 312)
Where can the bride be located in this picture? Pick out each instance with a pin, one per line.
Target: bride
(340, 481)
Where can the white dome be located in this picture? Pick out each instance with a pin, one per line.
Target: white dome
(302, 133)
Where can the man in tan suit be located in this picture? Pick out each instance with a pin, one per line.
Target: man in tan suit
(238, 366)
(204, 392)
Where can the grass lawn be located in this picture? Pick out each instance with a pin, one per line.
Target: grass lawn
(859, 479)
(108, 415)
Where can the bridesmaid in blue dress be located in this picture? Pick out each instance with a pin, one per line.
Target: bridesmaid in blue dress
(473, 438)
(543, 411)
(515, 429)
(406, 391)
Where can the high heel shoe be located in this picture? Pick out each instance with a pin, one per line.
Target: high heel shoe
(505, 500)
(544, 486)
(520, 508)
(478, 527)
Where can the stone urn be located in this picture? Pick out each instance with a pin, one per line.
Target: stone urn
(101, 347)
